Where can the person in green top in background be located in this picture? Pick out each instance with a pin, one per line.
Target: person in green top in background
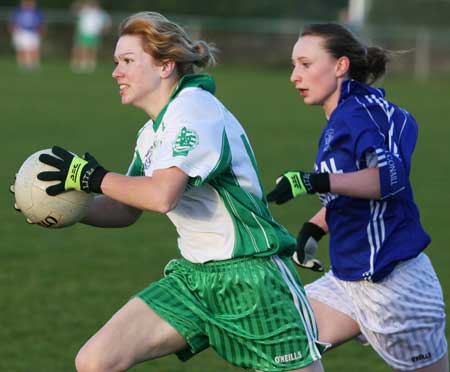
(92, 23)
(234, 288)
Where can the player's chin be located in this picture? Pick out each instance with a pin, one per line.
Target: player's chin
(310, 101)
(125, 100)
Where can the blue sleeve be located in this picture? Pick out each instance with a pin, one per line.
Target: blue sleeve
(392, 142)
(393, 174)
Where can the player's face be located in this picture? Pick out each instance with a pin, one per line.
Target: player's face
(137, 73)
(314, 73)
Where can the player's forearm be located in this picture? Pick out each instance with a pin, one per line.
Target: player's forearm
(319, 219)
(364, 184)
(106, 212)
(159, 193)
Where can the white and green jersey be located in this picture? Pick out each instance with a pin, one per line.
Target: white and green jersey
(223, 212)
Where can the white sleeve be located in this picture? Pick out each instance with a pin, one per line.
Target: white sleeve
(195, 145)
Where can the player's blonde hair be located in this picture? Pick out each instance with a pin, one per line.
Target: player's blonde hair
(165, 40)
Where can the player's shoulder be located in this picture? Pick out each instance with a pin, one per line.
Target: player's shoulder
(347, 111)
(366, 106)
(195, 104)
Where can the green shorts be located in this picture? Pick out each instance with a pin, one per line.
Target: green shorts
(252, 311)
(88, 40)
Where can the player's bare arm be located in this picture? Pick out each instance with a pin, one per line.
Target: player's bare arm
(364, 184)
(319, 219)
(159, 193)
(106, 212)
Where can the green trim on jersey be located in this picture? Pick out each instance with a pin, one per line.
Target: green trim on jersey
(253, 160)
(256, 231)
(203, 81)
(223, 163)
(137, 167)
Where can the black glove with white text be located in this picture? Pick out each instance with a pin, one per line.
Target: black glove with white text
(307, 243)
(295, 183)
(74, 172)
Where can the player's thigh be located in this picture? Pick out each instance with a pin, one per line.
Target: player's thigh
(334, 326)
(440, 366)
(313, 367)
(134, 334)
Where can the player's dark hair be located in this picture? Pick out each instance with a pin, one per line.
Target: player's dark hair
(367, 63)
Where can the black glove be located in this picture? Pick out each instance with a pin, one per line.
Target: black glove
(307, 242)
(295, 183)
(75, 173)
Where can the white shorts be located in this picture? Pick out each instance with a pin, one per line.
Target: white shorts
(402, 317)
(26, 40)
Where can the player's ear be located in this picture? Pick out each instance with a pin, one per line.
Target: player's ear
(342, 66)
(167, 68)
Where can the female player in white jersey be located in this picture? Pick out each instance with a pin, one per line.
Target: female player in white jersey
(381, 286)
(235, 288)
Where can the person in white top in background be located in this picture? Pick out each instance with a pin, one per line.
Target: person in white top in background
(92, 22)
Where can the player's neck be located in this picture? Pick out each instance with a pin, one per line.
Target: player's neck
(159, 98)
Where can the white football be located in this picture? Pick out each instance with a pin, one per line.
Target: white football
(61, 210)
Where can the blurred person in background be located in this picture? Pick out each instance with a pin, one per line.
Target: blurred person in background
(382, 288)
(26, 27)
(235, 289)
(92, 22)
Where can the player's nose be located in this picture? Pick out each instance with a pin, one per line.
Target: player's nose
(295, 76)
(117, 72)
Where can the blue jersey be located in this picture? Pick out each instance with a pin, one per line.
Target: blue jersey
(369, 237)
(27, 19)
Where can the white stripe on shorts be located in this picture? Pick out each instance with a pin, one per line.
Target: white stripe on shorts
(303, 307)
(402, 317)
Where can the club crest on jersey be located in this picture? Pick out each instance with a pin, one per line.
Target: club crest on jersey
(186, 141)
(328, 137)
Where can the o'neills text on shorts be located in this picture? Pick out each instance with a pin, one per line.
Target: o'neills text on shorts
(288, 357)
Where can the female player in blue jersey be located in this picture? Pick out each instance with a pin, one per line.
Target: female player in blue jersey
(381, 287)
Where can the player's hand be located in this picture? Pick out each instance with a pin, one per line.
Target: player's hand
(73, 172)
(307, 243)
(290, 185)
(295, 183)
(16, 207)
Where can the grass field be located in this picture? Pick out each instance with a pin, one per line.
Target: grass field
(58, 287)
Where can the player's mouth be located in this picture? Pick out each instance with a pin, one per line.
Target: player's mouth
(303, 92)
(122, 88)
